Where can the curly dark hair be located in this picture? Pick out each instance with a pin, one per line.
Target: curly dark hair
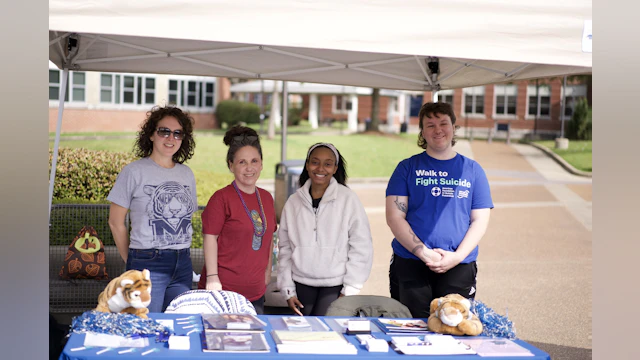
(144, 146)
(340, 175)
(238, 137)
(430, 108)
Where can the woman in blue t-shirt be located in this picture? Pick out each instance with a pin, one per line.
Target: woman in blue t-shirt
(437, 206)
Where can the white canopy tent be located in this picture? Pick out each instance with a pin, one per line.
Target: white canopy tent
(392, 44)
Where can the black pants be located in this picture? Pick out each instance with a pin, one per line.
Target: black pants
(418, 285)
(259, 305)
(316, 300)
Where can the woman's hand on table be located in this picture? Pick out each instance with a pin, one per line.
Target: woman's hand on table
(295, 305)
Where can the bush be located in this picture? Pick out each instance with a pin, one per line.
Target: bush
(580, 125)
(87, 175)
(233, 112)
(294, 116)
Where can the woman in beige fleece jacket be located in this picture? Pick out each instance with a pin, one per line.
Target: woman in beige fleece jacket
(325, 246)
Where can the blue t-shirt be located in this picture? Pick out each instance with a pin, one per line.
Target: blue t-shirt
(441, 194)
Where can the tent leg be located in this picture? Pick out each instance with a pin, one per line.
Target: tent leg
(54, 160)
(285, 120)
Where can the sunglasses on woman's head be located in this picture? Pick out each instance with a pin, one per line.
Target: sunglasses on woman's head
(240, 138)
(165, 132)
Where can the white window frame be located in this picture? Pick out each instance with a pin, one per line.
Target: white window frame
(70, 87)
(576, 92)
(182, 93)
(544, 90)
(444, 94)
(343, 106)
(508, 91)
(474, 92)
(118, 90)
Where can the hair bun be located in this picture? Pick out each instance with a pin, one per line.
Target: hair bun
(238, 130)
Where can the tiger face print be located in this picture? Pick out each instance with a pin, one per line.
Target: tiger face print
(170, 201)
(170, 209)
(128, 293)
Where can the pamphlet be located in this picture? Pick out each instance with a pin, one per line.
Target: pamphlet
(485, 346)
(298, 323)
(341, 324)
(430, 345)
(227, 322)
(245, 342)
(390, 326)
(312, 342)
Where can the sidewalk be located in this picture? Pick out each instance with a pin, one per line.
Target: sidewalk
(535, 259)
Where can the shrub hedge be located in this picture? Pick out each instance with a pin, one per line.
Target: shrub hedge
(87, 174)
(233, 112)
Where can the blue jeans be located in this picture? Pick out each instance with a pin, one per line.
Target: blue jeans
(171, 273)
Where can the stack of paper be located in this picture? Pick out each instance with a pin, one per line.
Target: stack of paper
(395, 326)
(496, 347)
(430, 345)
(312, 342)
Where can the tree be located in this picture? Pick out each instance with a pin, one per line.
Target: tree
(375, 109)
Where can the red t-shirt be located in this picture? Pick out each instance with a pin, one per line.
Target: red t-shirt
(240, 268)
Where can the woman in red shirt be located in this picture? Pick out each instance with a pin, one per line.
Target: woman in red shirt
(238, 224)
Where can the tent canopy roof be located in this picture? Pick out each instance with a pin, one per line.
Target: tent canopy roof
(295, 87)
(383, 44)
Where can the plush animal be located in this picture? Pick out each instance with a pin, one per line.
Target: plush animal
(128, 293)
(451, 314)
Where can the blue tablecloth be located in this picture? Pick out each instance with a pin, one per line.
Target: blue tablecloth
(163, 352)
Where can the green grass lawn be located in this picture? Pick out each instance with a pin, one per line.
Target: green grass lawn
(579, 153)
(366, 155)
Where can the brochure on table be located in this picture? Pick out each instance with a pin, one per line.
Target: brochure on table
(244, 342)
(312, 342)
(298, 323)
(227, 322)
(430, 345)
(486, 346)
(340, 324)
(394, 326)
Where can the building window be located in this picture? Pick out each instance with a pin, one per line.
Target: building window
(191, 93)
(341, 104)
(446, 96)
(474, 100)
(506, 99)
(76, 86)
(539, 105)
(258, 99)
(127, 89)
(415, 104)
(571, 96)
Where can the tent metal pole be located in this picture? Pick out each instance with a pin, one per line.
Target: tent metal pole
(54, 161)
(285, 115)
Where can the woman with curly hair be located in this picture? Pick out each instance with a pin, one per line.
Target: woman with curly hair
(160, 193)
(238, 224)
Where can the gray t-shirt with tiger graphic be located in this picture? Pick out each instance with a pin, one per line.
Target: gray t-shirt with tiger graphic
(161, 203)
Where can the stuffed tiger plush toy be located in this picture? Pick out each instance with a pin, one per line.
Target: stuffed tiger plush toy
(451, 314)
(128, 293)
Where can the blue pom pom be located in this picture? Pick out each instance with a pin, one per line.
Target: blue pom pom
(493, 324)
(128, 325)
